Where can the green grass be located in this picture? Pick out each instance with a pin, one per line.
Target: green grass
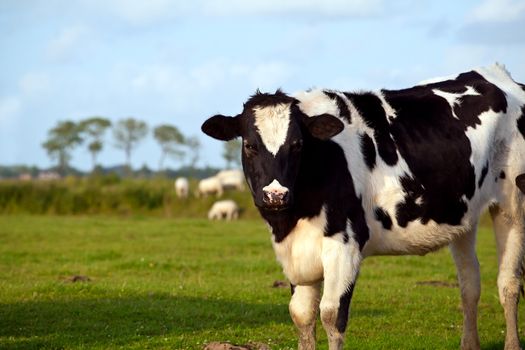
(180, 283)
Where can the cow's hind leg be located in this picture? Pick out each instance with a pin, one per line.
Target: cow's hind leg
(304, 306)
(464, 254)
(510, 234)
(341, 262)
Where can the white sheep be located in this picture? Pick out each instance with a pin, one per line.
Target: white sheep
(225, 209)
(182, 187)
(208, 186)
(232, 178)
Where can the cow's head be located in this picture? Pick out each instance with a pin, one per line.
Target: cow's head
(275, 134)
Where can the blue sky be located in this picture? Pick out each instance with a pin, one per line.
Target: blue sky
(179, 62)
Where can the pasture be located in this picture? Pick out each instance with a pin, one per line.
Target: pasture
(164, 283)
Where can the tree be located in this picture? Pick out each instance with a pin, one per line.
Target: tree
(232, 152)
(194, 148)
(95, 127)
(170, 140)
(62, 139)
(128, 133)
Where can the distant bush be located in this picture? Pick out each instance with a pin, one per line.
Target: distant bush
(110, 195)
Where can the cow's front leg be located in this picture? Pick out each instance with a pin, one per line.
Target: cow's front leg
(304, 306)
(341, 260)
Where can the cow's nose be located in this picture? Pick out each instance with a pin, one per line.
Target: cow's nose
(275, 198)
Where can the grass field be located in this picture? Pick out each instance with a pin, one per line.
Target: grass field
(180, 283)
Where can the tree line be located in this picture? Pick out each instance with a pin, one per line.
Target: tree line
(127, 134)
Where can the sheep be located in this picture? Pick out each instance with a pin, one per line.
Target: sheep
(225, 209)
(233, 178)
(182, 187)
(210, 185)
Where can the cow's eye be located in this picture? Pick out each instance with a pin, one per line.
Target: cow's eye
(251, 149)
(296, 145)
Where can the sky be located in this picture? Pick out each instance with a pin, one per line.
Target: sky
(180, 62)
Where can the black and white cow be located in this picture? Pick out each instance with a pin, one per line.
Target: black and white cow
(340, 176)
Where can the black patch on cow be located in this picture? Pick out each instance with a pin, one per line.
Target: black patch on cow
(502, 175)
(356, 215)
(521, 122)
(409, 209)
(346, 238)
(369, 151)
(434, 145)
(468, 108)
(344, 308)
(520, 182)
(484, 172)
(264, 99)
(383, 217)
(344, 112)
(373, 113)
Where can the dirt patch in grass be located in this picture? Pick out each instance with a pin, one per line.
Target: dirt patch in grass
(228, 346)
(77, 278)
(438, 284)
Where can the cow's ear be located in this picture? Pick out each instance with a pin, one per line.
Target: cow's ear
(324, 126)
(520, 182)
(221, 127)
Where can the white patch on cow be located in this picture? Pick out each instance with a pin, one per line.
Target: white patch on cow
(471, 91)
(415, 238)
(316, 102)
(454, 98)
(275, 187)
(498, 75)
(272, 124)
(300, 252)
(389, 111)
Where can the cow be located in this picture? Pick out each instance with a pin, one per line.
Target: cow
(182, 187)
(226, 209)
(341, 176)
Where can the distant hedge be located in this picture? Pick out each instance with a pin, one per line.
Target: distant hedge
(110, 195)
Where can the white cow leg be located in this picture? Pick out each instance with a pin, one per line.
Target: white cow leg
(463, 251)
(510, 233)
(341, 263)
(303, 307)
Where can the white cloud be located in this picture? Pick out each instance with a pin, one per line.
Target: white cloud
(211, 75)
(158, 78)
(265, 76)
(67, 42)
(34, 83)
(498, 11)
(144, 12)
(139, 12)
(319, 8)
(495, 23)
(10, 107)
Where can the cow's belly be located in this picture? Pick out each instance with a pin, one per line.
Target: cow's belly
(300, 252)
(415, 239)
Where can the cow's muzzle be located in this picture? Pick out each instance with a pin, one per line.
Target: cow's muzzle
(275, 200)
(275, 196)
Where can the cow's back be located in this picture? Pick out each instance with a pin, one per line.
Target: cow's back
(427, 160)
